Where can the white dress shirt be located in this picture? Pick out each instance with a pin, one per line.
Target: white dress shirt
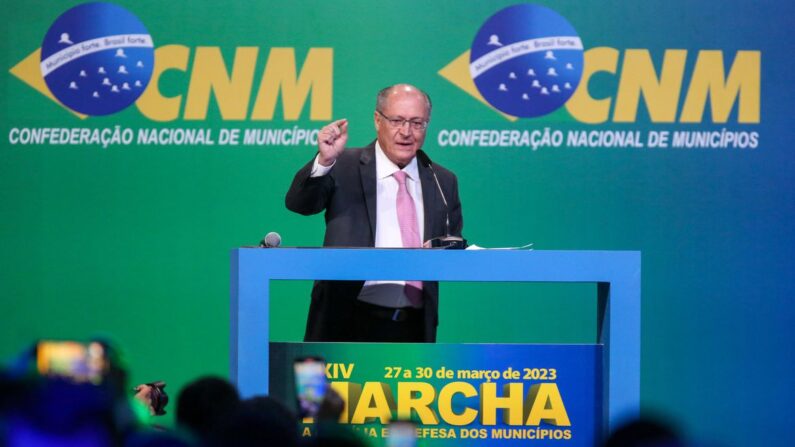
(387, 229)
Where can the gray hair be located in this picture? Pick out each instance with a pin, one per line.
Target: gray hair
(384, 93)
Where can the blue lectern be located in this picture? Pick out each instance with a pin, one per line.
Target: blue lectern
(617, 274)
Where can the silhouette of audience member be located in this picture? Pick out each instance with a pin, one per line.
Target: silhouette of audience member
(62, 406)
(329, 433)
(258, 421)
(61, 410)
(157, 438)
(204, 403)
(644, 432)
(61, 413)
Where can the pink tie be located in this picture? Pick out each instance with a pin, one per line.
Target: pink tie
(409, 232)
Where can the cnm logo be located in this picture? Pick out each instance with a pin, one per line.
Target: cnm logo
(662, 94)
(235, 88)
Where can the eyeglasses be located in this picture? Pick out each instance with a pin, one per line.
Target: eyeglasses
(398, 123)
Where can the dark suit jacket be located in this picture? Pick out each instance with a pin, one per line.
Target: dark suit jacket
(348, 196)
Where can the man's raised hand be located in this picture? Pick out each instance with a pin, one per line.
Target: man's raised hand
(331, 141)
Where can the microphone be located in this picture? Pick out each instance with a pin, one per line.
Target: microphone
(447, 241)
(271, 240)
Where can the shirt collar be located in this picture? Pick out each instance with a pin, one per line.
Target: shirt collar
(385, 168)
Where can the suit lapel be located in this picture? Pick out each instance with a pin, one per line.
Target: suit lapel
(367, 174)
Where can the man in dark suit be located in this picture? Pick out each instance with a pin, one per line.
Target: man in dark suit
(377, 196)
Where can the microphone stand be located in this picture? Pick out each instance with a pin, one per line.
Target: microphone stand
(447, 242)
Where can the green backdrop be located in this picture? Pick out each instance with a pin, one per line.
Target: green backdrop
(134, 240)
